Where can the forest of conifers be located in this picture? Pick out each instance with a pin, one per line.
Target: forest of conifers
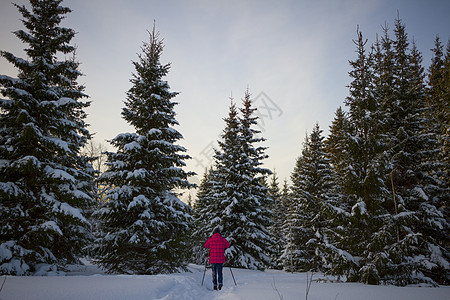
(368, 203)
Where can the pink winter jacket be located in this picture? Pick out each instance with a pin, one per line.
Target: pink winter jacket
(217, 245)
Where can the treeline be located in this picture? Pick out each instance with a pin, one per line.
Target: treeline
(368, 203)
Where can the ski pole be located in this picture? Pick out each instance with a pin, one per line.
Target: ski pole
(231, 270)
(3, 283)
(204, 272)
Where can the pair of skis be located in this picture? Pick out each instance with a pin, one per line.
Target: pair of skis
(206, 264)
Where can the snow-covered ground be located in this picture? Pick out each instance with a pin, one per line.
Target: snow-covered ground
(87, 282)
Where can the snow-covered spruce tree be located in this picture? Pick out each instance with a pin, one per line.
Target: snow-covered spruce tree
(292, 256)
(202, 217)
(240, 203)
(432, 188)
(444, 117)
(311, 186)
(146, 225)
(353, 238)
(438, 103)
(45, 184)
(337, 210)
(284, 257)
(361, 180)
(386, 234)
(412, 181)
(278, 216)
(445, 86)
(96, 154)
(392, 179)
(221, 180)
(248, 219)
(446, 148)
(335, 148)
(335, 143)
(209, 208)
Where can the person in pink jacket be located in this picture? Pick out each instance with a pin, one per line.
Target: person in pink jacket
(217, 245)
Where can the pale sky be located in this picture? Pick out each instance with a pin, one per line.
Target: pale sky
(292, 55)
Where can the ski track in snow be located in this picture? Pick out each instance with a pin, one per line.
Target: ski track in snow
(90, 283)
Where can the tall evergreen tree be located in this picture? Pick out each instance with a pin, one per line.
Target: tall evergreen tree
(203, 214)
(239, 202)
(436, 85)
(383, 89)
(246, 207)
(45, 184)
(311, 185)
(433, 186)
(407, 112)
(292, 255)
(392, 175)
(335, 145)
(146, 225)
(285, 259)
(224, 177)
(412, 176)
(438, 102)
(445, 84)
(363, 132)
(363, 164)
(278, 215)
(254, 237)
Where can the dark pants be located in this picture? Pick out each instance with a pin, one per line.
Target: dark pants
(217, 270)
